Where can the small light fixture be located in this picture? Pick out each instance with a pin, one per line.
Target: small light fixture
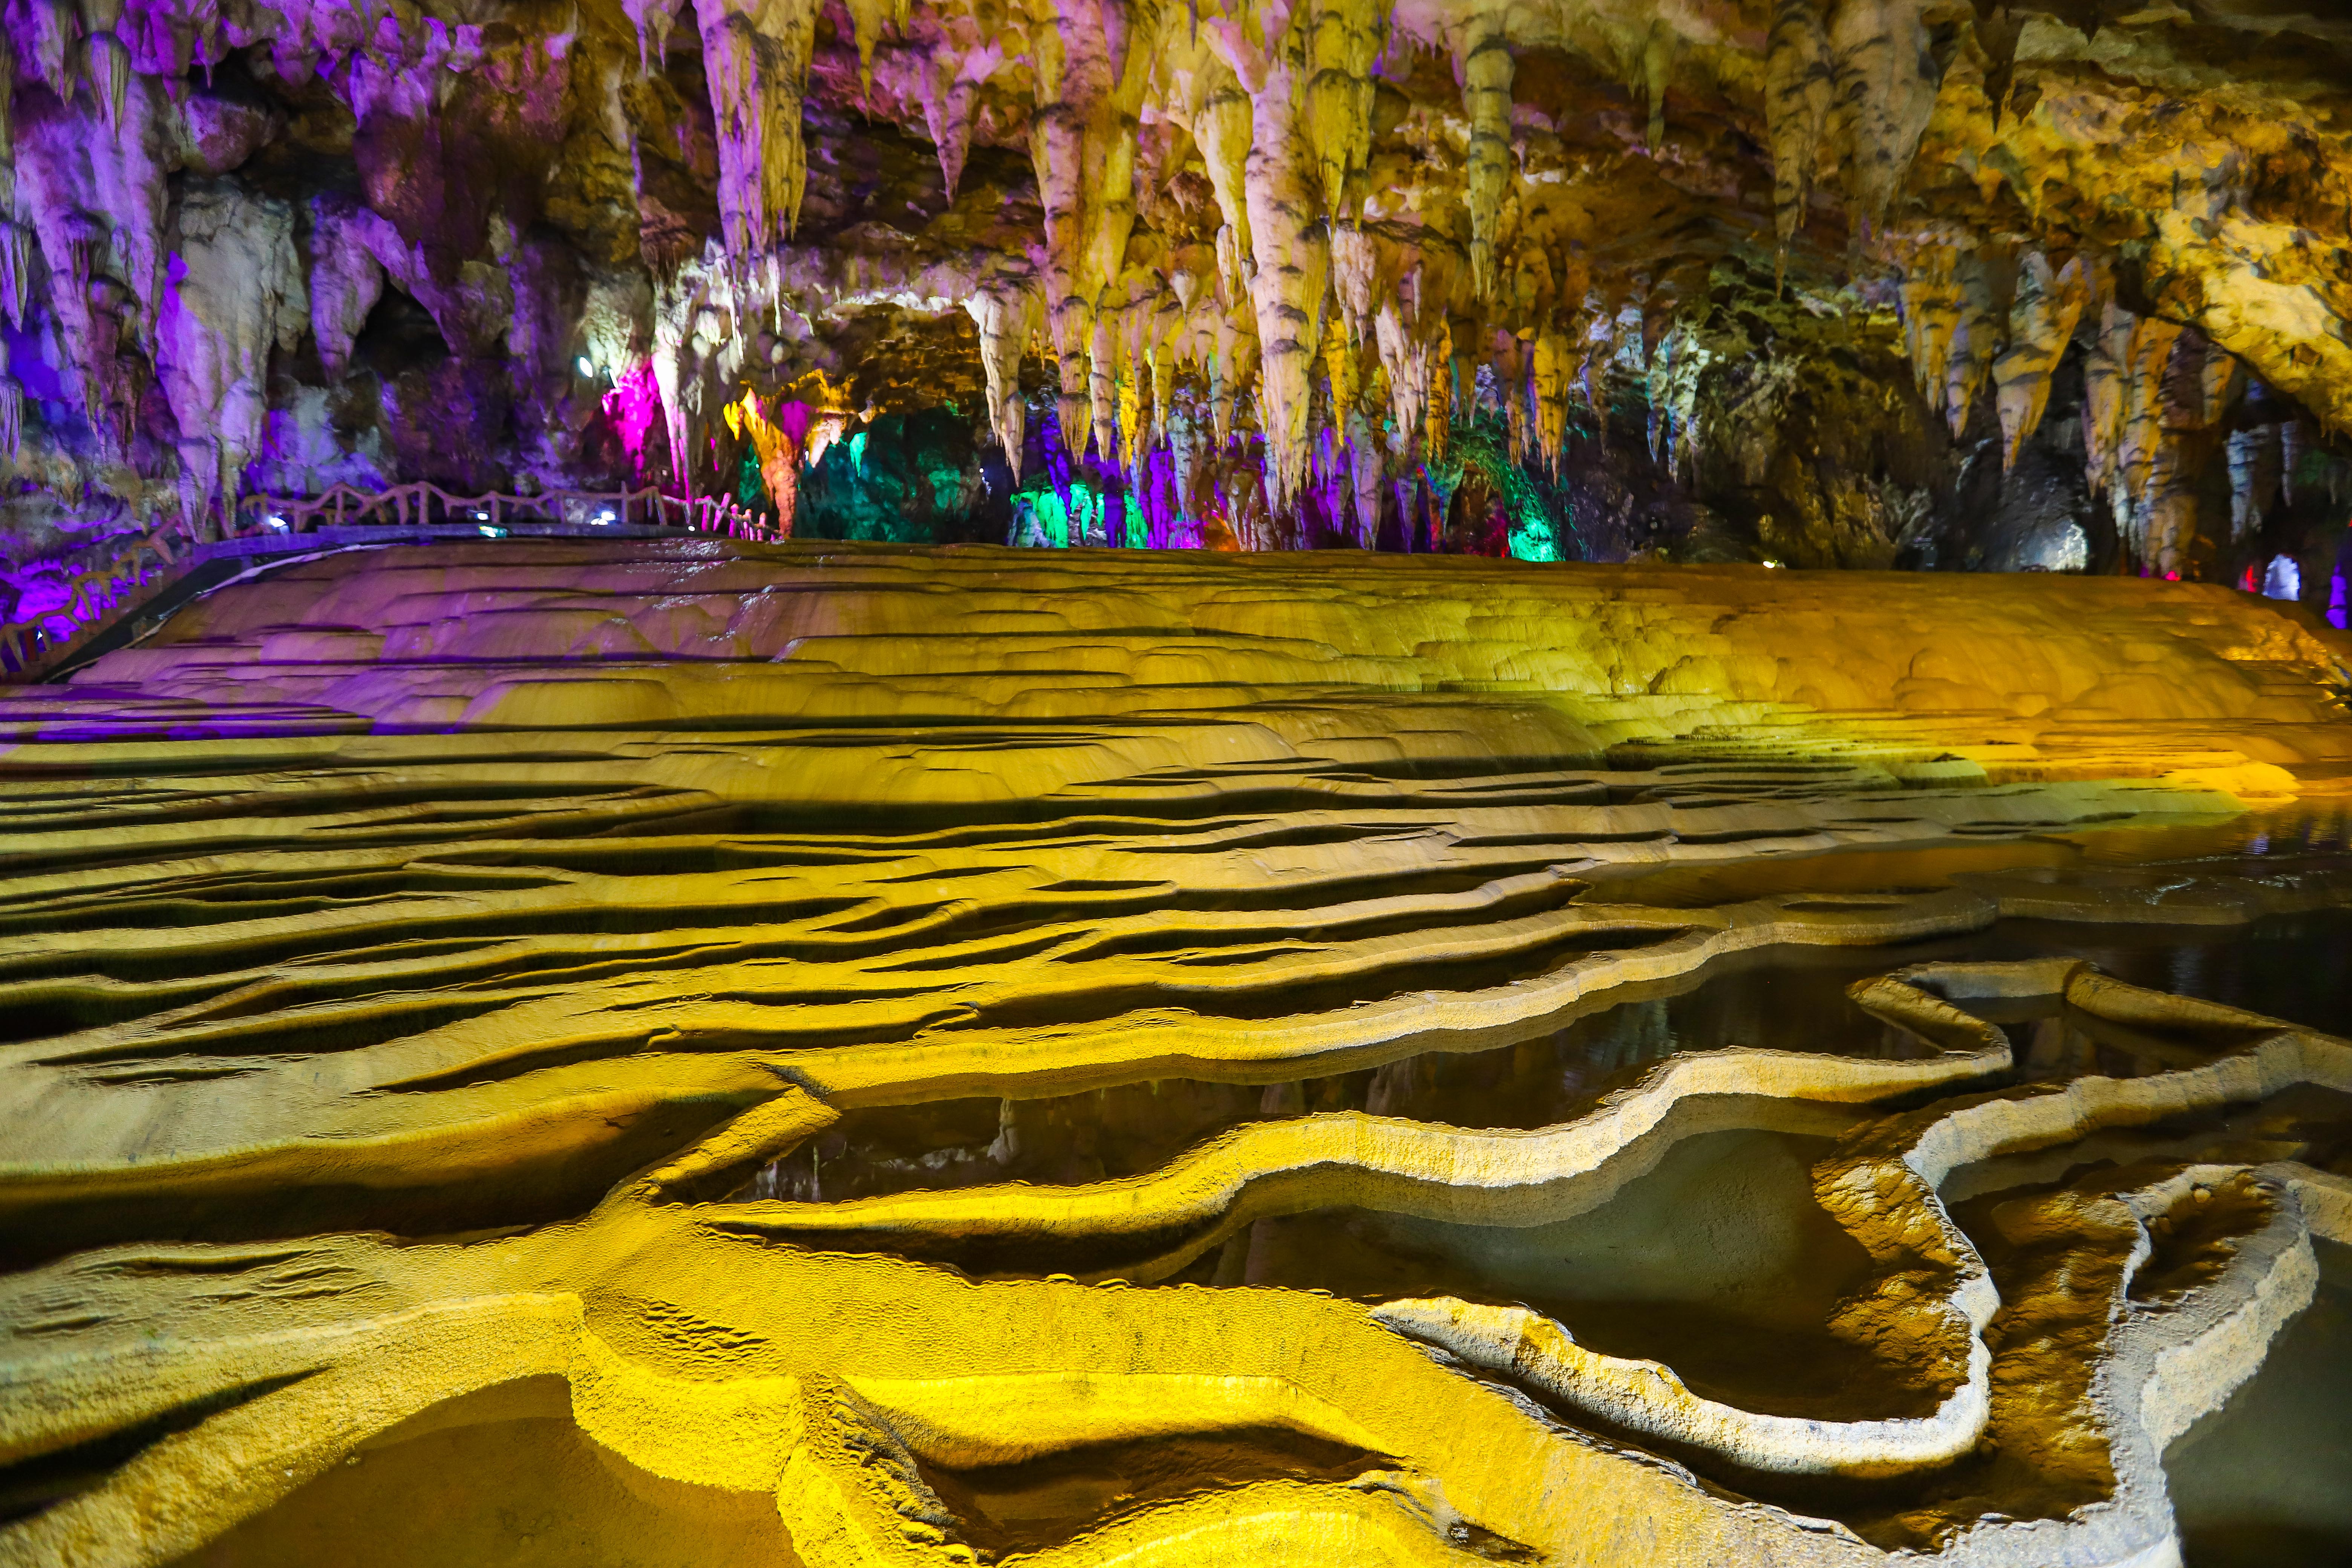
(481, 517)
(586, 366)
(600, 519)
(488, 531)
(1771, 564)
(274, 520)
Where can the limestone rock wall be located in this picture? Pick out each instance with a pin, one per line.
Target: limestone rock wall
(1853, 282)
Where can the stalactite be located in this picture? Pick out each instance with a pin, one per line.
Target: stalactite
(1067, 149)
(1292, 250)
(1797, 93)
(95, 203)
(1221, 129)
(346, 279)
(2254, 457)
(2214, 382)
(2144, 433)
(2104, 370)
(668, 357)
(1882, 54)
(1486, 73)
(1232, 369)
(1511, 375)
(15, 269)
(1599, 348)
(950, 90)
(652, 19)
(2294, 439)
(756, 54)
(1185, 450)
(1366, 471)
(2042, 324)
(1355, 267)
(1657, 68)
(1345, 38)
(866, 20)
(106, 59)
(1934, 303)
(57, 38)
(1555, 368)
(1102, 388)
(234, 295)
(1406, 362)
(1440, 404)
(1974, 337)
(1162, 359)
(1005, 318)
(776, 444)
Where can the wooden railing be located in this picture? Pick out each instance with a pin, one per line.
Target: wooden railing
(94, 594)
(418, 504)
(102, 593)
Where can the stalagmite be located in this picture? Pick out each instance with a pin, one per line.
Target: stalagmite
(756, 53)
(2168, 510)
(1797, 94)
(2041, 324)
(1487, 71)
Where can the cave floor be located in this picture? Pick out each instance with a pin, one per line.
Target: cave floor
(663, 1051)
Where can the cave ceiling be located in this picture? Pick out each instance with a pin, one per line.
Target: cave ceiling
(536, 245)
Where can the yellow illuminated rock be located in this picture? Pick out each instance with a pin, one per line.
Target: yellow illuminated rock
(675, 1052)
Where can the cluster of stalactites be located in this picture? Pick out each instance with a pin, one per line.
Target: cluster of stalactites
(755, 54)
(1974, 313)
(1173, 376)
(1850, 86)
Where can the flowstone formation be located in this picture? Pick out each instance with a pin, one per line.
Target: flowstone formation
(2055, 285)
(667, 1051)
